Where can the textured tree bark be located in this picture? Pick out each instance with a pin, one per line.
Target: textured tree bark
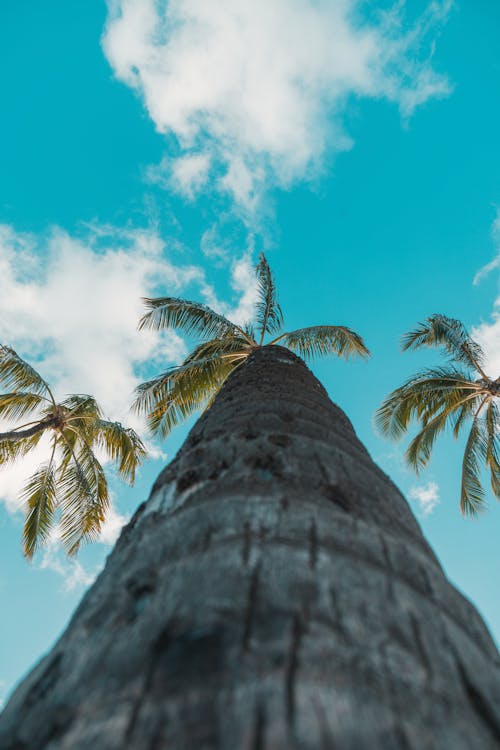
(274, 593)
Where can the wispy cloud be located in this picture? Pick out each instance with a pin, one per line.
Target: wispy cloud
(488, 333)
(255, 93)
(495, 263)
(427, 497)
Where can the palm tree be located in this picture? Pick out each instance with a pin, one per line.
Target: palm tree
(70, 489)
(275, 591)
(177, 393)
(453, 395)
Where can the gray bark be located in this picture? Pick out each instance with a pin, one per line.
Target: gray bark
(274, 593)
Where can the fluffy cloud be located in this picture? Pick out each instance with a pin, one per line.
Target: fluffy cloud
(255, 93)
(71, 306)
(427, 497)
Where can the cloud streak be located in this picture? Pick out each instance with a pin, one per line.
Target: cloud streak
(255, 94)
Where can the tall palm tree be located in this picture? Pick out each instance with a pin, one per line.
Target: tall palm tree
(70, 489)
(274, 592)
(453, 395)
(177, 393)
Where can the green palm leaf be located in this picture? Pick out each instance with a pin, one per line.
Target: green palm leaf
(471, 492)
(422, 396)
(269, 314)
(185, 389)
(18, 404)
(13, 450)
(321, 340)
(39, 495)
(122, 445)
(438, 330)
(84, 499)
(190, 317)
(18, 375)
(492, 420)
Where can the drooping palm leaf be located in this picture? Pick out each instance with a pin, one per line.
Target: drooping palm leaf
(492, 425)
(39, 495)
(421, 396)
(84, 499)
(471, 491)
(122, 445)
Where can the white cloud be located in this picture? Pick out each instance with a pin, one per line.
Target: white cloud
(427, 497)
(71, 306)
(112, 526)
(73, 573)
(255, 92)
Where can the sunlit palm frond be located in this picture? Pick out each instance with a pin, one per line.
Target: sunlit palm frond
(122, 445)
(84, 499)
(492, 423)
(217, 347)
(192, 318)
(438, 330)
(422, 396)
(183, 390)
(269, 314)
(39, 496)
(18, 375)
(12, 450)
(151, 392)
(18, 404)
(471, 492)
(419, 451)
(321, 340)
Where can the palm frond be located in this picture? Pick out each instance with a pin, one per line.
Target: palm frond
(12, 450)
(123, 446)
(471, 491)
(322, 340)
(192, 318)
(39, 495)
(269, 314)
(419, 451)
(492, 421)
(179, 392)
(84, 499)
(18, 375)
(438, 330)
(421, 397)
(18, 404)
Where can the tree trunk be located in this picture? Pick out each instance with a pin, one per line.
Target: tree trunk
(274, 593)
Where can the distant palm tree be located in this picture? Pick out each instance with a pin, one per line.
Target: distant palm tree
(452, 395)
(71, 488)
(177, 393)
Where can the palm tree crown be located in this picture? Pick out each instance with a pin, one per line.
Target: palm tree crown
(452, 395)
(181, 390)
(70, 489)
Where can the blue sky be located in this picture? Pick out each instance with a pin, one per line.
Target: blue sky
(144, 151)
